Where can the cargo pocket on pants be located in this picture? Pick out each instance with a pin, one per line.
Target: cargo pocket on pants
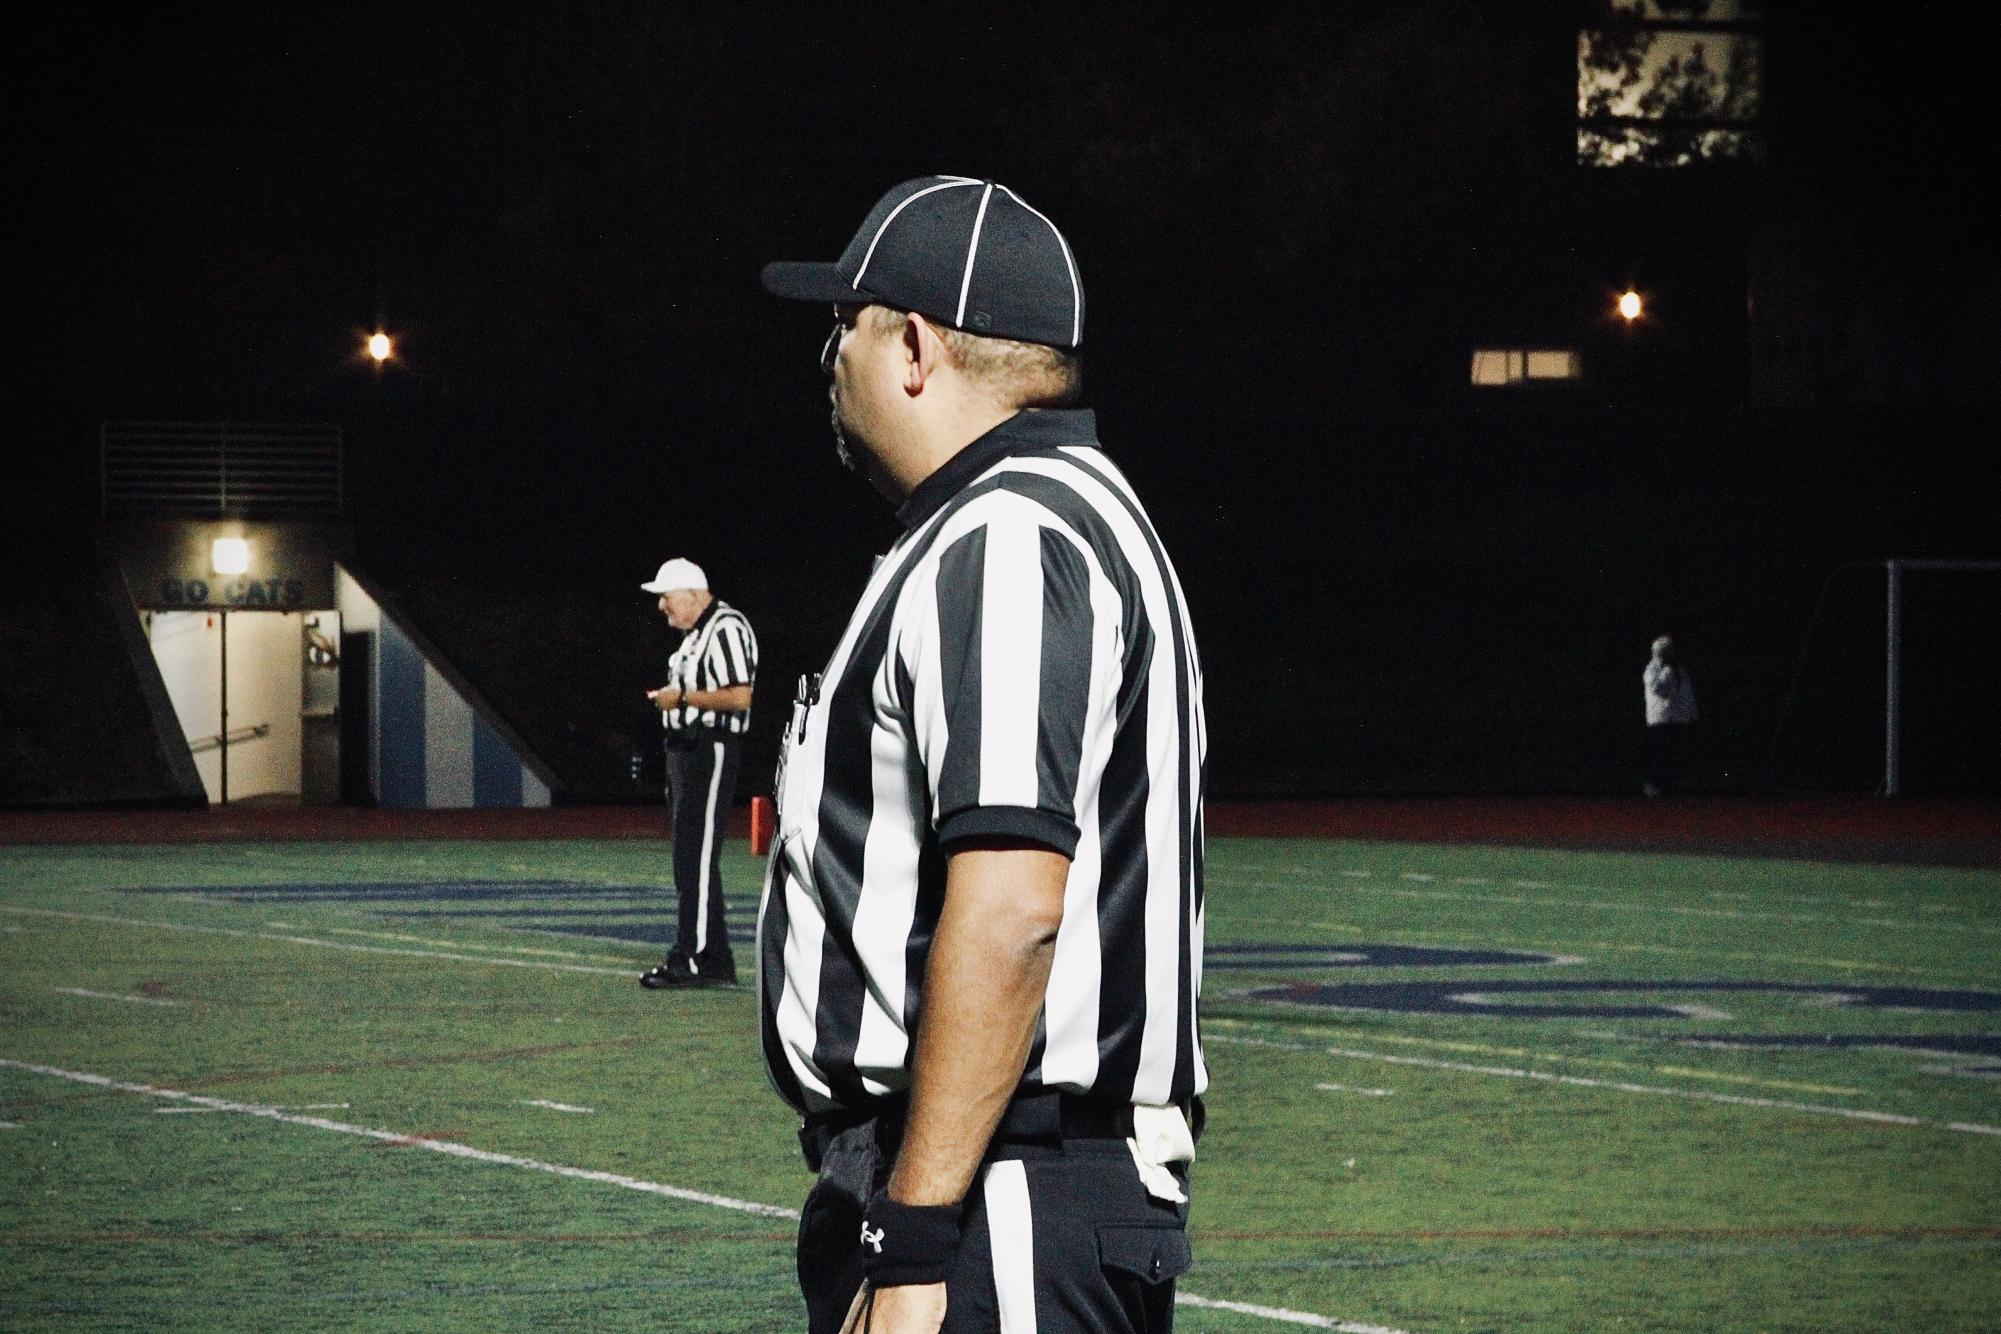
(1150, 1254)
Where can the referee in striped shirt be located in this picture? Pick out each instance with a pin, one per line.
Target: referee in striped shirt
(704, 711)
(980, 941)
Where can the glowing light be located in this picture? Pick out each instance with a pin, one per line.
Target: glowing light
(230, 555)
(1629, 305)
(380, 347)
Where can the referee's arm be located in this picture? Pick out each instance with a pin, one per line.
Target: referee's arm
(723, 699)
(999, 717)
(983, 990)
(1000, 722)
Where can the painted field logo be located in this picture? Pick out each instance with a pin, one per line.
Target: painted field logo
(1668, 1000)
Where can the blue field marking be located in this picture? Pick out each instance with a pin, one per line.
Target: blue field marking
(1270, 957)
(450, 891)
(660, 933)
(1472, 997)
(595, 912)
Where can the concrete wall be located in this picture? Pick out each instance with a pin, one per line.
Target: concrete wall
(429, 744)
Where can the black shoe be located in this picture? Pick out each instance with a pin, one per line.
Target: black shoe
(675, 972)
(680, 971)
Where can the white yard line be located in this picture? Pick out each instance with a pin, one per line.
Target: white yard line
(275, 1107)
(447, 1147)
(469, 945)
(556, 1106)
(411, 1141)
(1282, 1315)
(316, 943)
(111, 995)
(1351, 1088)
(1617, 1086)
(1528, 1053)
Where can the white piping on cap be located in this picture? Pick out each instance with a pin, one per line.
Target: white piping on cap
(1076, 288)
(972, 251)
(946, 184)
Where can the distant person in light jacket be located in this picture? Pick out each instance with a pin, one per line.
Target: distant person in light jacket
(1670, 701)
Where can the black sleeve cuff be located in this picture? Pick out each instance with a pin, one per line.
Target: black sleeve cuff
(1044, 829)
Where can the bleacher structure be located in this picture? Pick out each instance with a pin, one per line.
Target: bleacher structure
(327, 692)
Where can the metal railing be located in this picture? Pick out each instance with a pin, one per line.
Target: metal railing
(237, 736)
(216, 469)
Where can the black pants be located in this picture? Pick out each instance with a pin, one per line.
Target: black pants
(1058, 1231)
(1668, 747)
(701, 778)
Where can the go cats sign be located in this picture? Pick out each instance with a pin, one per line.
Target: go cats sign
(234, 593)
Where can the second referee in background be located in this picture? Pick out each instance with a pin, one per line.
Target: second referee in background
(704, 711)
(980, 940)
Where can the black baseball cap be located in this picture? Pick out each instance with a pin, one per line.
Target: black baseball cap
(967, 253)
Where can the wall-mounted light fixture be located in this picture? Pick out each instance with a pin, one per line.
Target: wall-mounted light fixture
(230, 555)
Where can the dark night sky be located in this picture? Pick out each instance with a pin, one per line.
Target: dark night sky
(567, 204)
(1293, 222)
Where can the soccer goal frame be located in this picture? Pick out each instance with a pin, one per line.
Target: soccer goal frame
(1893, 726)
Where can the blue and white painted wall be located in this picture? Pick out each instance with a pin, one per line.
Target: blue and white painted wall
(430, 743)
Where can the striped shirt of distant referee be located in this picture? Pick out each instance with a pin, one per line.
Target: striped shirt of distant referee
(1021, 666)
(719, 651)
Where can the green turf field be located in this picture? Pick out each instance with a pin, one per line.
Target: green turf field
(414, 1086)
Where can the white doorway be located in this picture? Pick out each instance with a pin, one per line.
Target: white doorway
(257, 755)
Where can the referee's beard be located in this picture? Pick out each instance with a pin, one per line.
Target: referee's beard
(860, 455)
(853, 449)
(841, 450)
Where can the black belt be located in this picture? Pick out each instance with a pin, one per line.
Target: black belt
(1043, 1116)
(687, 738)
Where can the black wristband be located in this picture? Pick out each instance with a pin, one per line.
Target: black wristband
(904, 1244)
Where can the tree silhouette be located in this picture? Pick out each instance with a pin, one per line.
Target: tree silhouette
(1662, 83)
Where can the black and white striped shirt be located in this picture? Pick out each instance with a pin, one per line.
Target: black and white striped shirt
(1021, 665)
(719, 650)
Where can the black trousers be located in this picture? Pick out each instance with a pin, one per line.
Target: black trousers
(1668, 747)
(701, 778)
(1059, 1234)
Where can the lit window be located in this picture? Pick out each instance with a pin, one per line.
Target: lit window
(1500, 366)
(1668, 85)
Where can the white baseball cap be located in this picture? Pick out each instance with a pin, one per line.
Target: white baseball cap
(676, 574)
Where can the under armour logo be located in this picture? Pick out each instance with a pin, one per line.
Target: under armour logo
(872, 1240)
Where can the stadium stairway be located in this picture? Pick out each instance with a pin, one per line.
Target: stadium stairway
(86, 721)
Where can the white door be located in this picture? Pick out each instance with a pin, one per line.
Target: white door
(264, 697)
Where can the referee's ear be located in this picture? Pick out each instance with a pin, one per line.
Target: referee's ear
(923, 353)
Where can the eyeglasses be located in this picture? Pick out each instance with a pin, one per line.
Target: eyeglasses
(843, 323)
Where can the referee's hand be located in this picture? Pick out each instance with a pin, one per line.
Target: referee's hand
(918, 1308)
